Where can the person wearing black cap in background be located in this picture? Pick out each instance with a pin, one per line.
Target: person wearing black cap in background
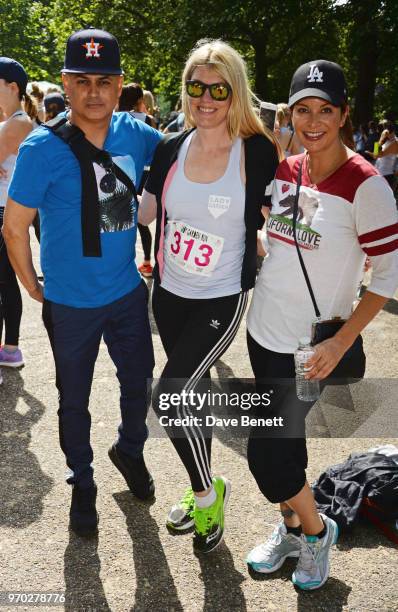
(54, 104)
(338, 226)
(91, 284)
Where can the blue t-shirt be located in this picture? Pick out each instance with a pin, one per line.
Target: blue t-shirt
(47, 177)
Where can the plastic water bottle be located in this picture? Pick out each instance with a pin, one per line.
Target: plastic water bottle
(307, 390)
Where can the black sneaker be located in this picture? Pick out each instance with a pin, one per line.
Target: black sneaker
(83, 514)
(134, 471)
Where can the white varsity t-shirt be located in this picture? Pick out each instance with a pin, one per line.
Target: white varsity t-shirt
(346, 217)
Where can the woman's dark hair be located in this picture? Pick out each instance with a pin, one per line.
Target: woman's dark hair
(130, 95)
(346, 132)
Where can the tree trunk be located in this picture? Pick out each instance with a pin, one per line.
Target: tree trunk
(366, 83)
(259, 44)
(367, 47)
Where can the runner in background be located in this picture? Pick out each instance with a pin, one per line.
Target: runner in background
(38, 95)
(150, 108)
(285, 133)
(386, 163)
(19, 110)
(206, 187)
(54, 104)
(132, 100)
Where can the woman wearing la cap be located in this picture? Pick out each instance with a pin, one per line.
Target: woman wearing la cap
(207, 186)
(337, 228)
(17, 107)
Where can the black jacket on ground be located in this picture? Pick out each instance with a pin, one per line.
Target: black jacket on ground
(340, 490)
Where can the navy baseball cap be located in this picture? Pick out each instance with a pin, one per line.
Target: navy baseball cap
(12, 72)
(54, 102)
(319, 79)
(92, 51)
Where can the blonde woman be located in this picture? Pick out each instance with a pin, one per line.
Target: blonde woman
(18, 110)
(150, 107)
(206, 187)
(287, 137)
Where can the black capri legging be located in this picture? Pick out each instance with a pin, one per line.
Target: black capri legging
(194, 333)
(278, 457)
(10, 295)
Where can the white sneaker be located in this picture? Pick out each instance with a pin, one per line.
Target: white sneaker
(313, 565)
(271, 555)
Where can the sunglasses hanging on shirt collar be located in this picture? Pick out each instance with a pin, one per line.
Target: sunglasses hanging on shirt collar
(86, 153)
(108, 181)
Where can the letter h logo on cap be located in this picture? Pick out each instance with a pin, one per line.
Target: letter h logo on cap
(92, 48)
(84, 45)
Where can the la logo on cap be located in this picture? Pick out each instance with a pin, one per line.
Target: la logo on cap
(315, 75)
(92, 48)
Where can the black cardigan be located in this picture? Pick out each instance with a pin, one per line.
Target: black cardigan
(261, 161)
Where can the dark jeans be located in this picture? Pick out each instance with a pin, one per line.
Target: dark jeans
(75, 335)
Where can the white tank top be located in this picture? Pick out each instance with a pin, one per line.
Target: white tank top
(386, 165)
(205, 233)
(8, 165)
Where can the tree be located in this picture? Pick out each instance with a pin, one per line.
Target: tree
(372, 34)
(273, 37)
(24, 35)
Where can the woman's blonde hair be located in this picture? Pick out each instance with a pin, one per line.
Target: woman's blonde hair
(149, 101)
(282, 112)
(243, 118)
(30, 106)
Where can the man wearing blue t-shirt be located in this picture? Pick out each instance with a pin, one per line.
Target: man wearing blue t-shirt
(88, 213)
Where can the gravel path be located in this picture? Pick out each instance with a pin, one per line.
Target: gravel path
(135, 564)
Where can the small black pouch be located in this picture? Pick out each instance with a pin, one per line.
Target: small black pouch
(351, 366)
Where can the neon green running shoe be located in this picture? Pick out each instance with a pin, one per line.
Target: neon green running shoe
(180, 517)
(209, 522)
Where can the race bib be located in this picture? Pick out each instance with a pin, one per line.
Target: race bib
(193, 250)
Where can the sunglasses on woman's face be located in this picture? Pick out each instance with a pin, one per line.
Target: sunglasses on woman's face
(218, 91)
(108, 181)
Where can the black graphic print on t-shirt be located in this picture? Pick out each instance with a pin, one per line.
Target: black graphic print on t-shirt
(117, 208)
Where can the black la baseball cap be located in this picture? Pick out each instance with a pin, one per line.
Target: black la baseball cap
(319, 79)
(92, 51)
(12, 72)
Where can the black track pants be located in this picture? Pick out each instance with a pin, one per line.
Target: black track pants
(10, 295)
(195, 333)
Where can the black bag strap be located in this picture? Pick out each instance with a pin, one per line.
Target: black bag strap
(86, 153)
(295, 213)
(290, 141)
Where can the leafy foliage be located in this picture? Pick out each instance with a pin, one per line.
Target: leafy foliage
(274, 37)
